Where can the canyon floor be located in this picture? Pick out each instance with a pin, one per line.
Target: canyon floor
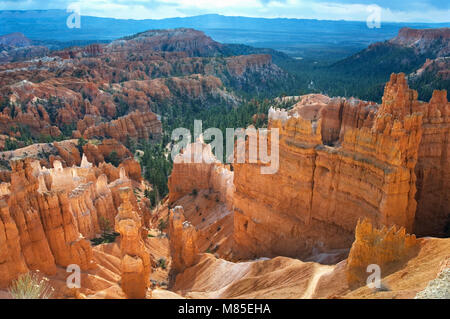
(276, 278)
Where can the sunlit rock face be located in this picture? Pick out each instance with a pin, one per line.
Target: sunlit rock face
(386, 248)
(136, 125)
(435, 42)
(48, 215)
(339, 160)
(135, 264)
(183, 241)
(334, 171)
(204, 193)
(209, 173)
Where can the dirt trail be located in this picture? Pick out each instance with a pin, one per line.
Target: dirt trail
(319, 271)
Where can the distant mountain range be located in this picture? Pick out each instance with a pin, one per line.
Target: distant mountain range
(344, 67)
(424, 54)
(300, 38)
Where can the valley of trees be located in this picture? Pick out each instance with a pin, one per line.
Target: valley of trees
(157, 163)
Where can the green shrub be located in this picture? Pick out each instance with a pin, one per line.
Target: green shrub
(105, 225)
(106, 238)
(161, 263)
(29, 286)
(113, 158)
(81, 143)
(162, 224)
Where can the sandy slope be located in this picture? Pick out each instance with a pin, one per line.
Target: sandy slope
(279, 277)
(413, 276)
(283, 277)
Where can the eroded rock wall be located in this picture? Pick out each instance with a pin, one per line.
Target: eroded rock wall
(49, 215)
(318, 194)
(136, 125)
(208, 173)
(385, 247)
(433, 169)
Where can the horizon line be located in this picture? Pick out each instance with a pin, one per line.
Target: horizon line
(227, 16)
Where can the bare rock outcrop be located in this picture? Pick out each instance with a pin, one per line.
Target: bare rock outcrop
(135, 264)
(319, 192)
(48, 215)
(183, 241)
(385, 247)
(433, 168)
(207, 173)
(101, 152)
(340, 160)
(190, 41)
(136, 125)
(12, 261)
(432, 41)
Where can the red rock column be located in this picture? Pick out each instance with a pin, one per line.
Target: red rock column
(136, 265)
(183, 241)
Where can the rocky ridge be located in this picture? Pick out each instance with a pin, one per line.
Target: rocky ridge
(52, 213)
(106, 84)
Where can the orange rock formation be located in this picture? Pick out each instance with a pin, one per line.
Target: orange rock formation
(48, 215)
(318, 194)
(340, 160)
(135, 264)
(183, 241)
(113, 90)
(433, 168)
(209, 174)
(385, 247)
(135, 125)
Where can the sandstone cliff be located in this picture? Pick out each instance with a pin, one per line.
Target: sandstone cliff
(135, 125)
(433, 168)
(425, 40)
(208, 174)
(340, 160)
(205, 191)
(190, 41)
(319, 192)
(49, 215)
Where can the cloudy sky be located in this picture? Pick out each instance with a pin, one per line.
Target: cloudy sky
(391, 10)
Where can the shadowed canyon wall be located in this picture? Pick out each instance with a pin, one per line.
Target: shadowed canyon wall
(433, 169)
